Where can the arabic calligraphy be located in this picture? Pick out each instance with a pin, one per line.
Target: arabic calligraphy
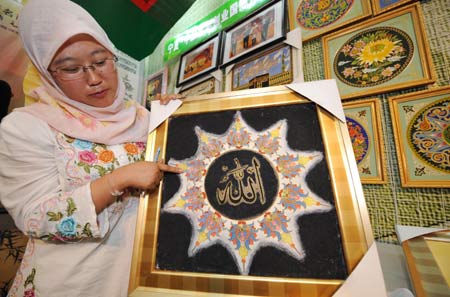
(239, 189)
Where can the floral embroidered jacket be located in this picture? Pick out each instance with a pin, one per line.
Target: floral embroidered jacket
(45, 185)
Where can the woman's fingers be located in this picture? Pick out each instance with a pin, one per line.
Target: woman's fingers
(168, 168)
(164, 99)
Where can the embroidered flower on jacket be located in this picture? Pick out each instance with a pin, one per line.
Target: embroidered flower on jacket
(67, 227)
(87, 157)
(131, 148)
(82, 144)
(106, 156)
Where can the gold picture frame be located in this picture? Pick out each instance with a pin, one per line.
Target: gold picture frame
(428, 262)
(352, 216)
(380, 6)
(354, 11)
(365, 129)
(418, 133)
(353, 58)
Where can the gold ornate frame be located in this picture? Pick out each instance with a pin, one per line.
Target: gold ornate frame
(374, 128)
(377, 9)
(351, 16)
(427, 260)
(419, 70)
(354, 224)
(402, 107)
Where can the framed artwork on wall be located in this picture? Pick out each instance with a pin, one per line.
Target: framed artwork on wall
(261, 29)
(199, 61)
(270, 68)
(315, 18)
(210, 85)
(154, 84)
(383, 54)
(380, 6)
(422, 132)
(364, 126)
(243, 217)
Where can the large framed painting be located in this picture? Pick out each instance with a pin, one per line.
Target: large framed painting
(421, 123)
(273, 67)
(263, 28)
(364, 126)
(203, 86)
(380, 6)
(266, 205)
(155, 83)
(317, 17)
(386, 53)
(199, 61)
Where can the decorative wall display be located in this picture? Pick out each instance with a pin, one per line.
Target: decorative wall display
(428, 264)
(383, 54)
(199, 61)
(265, 27)
(245, 212)
(364, 126)
(270, 68)
(421, 123)
(318, 17)
(206, 86)
(380, 6)
(155, 84)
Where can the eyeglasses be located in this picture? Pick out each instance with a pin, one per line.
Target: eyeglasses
(74, 72)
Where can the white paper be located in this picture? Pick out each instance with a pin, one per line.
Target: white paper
(159, 113)
(407, 232)
(217, 74)
(366, 279)
(323, 92)
(294, 38)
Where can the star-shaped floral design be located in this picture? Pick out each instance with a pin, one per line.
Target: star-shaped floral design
(274, 226)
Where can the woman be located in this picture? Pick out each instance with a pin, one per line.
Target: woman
(71, 163)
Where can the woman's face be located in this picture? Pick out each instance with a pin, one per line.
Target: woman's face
(93, 87)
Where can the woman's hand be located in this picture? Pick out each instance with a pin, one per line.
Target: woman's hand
(143, 175)
(164, 99)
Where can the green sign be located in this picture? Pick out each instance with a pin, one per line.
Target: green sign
(224, 16)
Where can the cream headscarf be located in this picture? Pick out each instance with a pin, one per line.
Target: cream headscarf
(44, 25)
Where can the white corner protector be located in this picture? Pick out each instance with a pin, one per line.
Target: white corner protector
(323, 92)
(159, 113)
(407, 232)
(228, 69)
(294, 38)
(177, 90)
(217, 74)
(366, 279)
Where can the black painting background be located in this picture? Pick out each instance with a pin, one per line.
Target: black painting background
(319, 232)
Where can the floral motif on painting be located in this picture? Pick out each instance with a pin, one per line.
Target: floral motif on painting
(316, 14)
(429, 134)
(244, 190)
(359, 137)
(373, 57)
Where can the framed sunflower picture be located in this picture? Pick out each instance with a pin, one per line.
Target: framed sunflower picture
(380, 6)
(316, 18)
(421, 123)
(383, 54)
(265, 169)
(364, 126)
